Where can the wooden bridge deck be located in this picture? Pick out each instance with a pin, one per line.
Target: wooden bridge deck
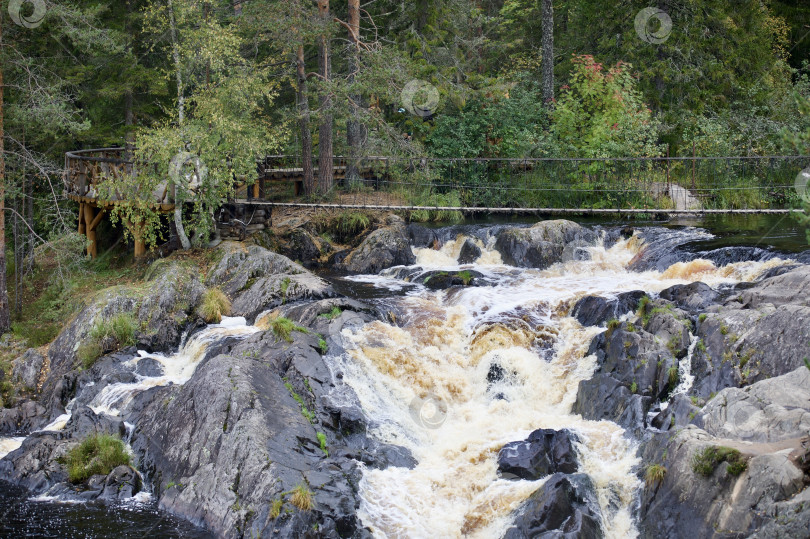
(86, 170)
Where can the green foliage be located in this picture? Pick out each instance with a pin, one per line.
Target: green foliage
(672, 376)
(702, 317)
(323, 347)
(297, 398)
(655, 474)
(214, 305)
(634, 387)
(706, 461)
(600, 114)
(119, 331)
(322, 441)
(275, 508)
(332, 314)
(613, 324)
(283, 328)
(97, 454)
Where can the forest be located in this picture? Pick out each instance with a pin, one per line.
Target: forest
(232, 81)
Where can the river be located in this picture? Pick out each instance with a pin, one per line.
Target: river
(455, 374)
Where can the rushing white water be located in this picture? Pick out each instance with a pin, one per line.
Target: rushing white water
(9, 444)
(177, 368)
(425, 385)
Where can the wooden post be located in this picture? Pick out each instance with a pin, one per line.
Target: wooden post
(81, 218)
(137, 235)
(89, 220)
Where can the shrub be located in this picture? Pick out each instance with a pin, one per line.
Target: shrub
(96, 455)
(672, 375)
(301, 497)
(655, 474)
(706, 461)
(214, 305)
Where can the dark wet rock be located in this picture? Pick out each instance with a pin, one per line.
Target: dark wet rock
(440, 280)
(544, 452)
(470, 252)
(257, 279)
(681, 411)
(121, 483)
(421, 236)
(597, 311)
(234, 438)
(299, 245)
(148, 366)
(24, 417)
(495, 374)
(670, 326)
(84, 422)
(27, 369)
(35, 465)
(543, 244)
(385, 247)
(325, 310)
(693, 297)
(565, 507)
(633, 370)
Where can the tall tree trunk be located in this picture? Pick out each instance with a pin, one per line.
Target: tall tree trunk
(181, 111)
(548, 52)
(325, 171)
(29, 230)
(355, 131)
(303, 113)
(5, 318)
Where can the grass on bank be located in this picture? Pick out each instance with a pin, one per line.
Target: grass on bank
(214, 305)
(95, 455)
(121, 329)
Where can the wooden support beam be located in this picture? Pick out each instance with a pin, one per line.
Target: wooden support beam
(137, 234)
(81, 218)
(89, 219)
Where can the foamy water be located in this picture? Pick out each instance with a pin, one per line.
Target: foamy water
(177, 368)
(424, 384)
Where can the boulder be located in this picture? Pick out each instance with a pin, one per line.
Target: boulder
(386, 247)
(27, 369)
(791, 288)
(440, 280)
(543, 244)
(544, 452)
(298, 244)
(565, 507)
(24, 417)
(693, 297)
(597, 311)
(257, 279)
(121, 483)
(421, 236)
(470, 252)
(767, 411)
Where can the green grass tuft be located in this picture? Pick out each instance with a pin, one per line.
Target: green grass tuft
(121, 329)
(706, 461)
(331, 315)
(655, 474)
(283, 328)
(96, 455)
(214, 305)
(322, 441)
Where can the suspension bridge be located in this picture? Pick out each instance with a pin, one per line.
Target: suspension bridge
(539, 186)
